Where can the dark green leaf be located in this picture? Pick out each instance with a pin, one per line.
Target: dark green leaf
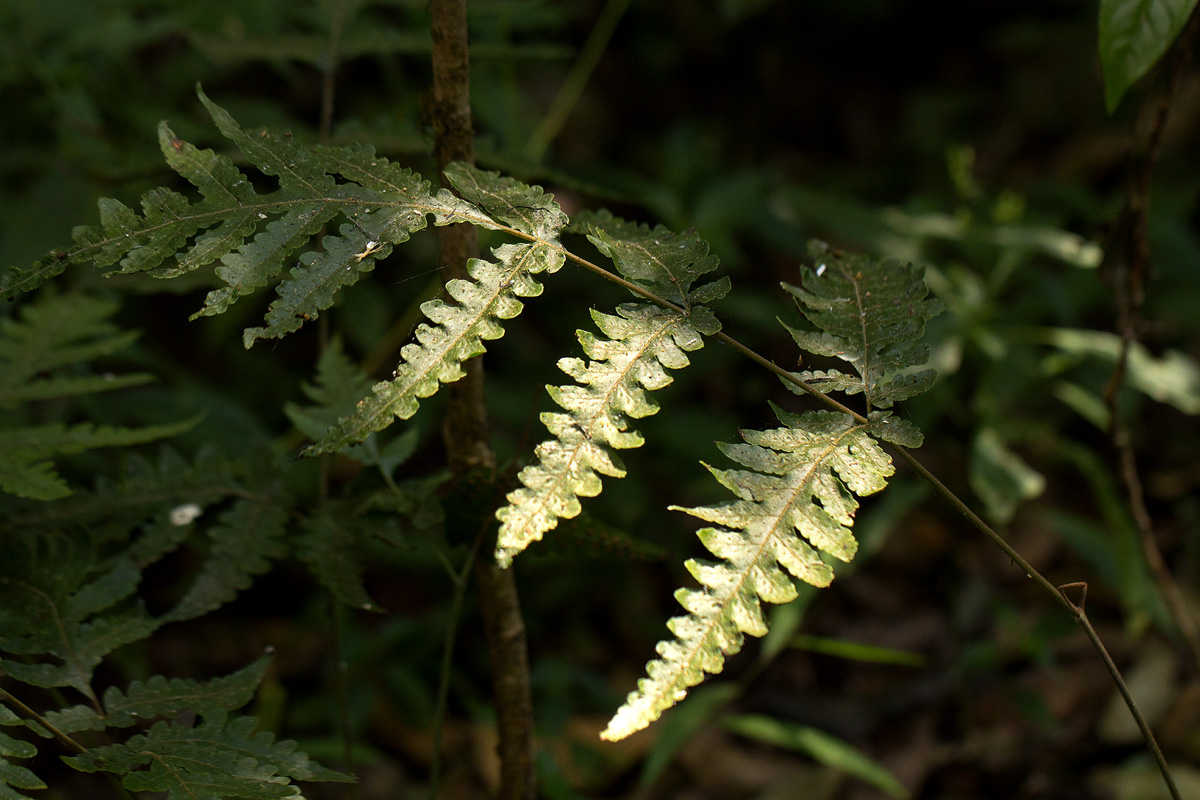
(1134, 34)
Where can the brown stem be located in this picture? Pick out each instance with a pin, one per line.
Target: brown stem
(1130, 289)
(466, 431)
(1081, 617)
(33, 715)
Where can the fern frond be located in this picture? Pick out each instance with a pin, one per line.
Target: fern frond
(663, 261)
(328, 547)
(65, 602)
(159, 697)
(64, 607)
(482, 304)
(42, 356)
(644, 341)
(255, 236)
(796, 497)
(15, 776)
(242, 544)
(794, 500)
(869, 314)
(218, 758)
(60, 331)
(25, 453)
(144, 492)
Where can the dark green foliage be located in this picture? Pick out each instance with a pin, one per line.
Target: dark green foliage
(241, 546)
(160, 697)
(14, 776)
(69, 597)
(220, 757)
(44, 356)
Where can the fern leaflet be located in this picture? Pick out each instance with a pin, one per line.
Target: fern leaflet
(253, 235)
(220, 757)
(644, 341)
(160, 697)
(15, 776)
(796, 495)
(869, 315)
(482, 304)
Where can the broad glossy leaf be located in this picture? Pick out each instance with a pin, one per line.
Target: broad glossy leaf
(1134, 34)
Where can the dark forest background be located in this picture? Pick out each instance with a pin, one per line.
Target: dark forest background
(971, 137)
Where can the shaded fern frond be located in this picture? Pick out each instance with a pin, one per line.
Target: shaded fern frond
(644, 342)
(796, 496)
(253, 237)
(870, 314)
(43, 356)
(242, 544)
(329, 547)
(159, 697)
(218, 758)
(14, 777)
(145, 493)
(63, 610)
(67, 599)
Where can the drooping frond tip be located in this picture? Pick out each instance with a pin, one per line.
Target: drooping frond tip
(796, 495)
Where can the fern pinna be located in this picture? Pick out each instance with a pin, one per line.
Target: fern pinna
(795, 485)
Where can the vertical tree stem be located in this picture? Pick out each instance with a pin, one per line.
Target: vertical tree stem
(466, 432)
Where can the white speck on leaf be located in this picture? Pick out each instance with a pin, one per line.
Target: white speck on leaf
(185, 514)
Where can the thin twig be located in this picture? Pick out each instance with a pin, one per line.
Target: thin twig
(568, 95)
(341, 686)
(40, 720)
(337, 25)
(461, 584)
(1077, 610)
(1130, 288)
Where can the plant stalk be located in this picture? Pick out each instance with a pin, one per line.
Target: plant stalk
(466, 431)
